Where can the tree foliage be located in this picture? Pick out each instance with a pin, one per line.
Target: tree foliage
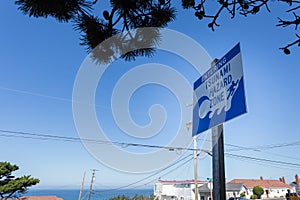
(245, 8)
(242, 194)
(258, 191)
(128, 14)
(11, 186)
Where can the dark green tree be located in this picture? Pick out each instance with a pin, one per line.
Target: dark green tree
(258, 191)
(11, 186)
(127, 14)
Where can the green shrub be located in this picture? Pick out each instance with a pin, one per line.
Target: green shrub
(242, 194)
(253, 196)
(258, 191)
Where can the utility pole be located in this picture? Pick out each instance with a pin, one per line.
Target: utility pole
(81, 188)
(219, 191)
(210, 188)
(91, 185)
(195, 167)
(188, 126)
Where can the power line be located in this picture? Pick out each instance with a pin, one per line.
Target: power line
(35, 94)
(8, 133)
(236, 147)
(264, 160)
(150, 176)
(50, 97)
(184, 163)
(280, 155)
(260, 148)
(156, 173)
(235, 156)
(122, 144)
(27, 135)
(264, 163)
(55, 98)
(265, 147)
(256, 148)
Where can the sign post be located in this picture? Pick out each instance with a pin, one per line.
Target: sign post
(220, 97)
(219, 189)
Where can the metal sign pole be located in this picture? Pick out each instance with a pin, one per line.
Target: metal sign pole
(219, 190)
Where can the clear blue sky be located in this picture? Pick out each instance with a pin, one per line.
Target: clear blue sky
(39, 62)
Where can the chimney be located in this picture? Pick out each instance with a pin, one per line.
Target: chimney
(280, 179)
(283, 179)
(297, 182)
(261, 178)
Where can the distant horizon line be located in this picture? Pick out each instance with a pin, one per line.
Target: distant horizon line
(71, 188)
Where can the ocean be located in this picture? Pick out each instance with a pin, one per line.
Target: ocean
(96, 195)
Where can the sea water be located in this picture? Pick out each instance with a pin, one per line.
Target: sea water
(96, 195)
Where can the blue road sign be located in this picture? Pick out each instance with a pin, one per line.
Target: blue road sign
(219, 93)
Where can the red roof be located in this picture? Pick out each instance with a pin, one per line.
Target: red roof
(180, 181)
(40, 198)
(250, 183)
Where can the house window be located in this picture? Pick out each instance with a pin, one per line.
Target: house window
(278, 191)
(202, 197)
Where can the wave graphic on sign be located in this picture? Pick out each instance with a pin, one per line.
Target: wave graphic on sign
(205, 102)
(214, 118)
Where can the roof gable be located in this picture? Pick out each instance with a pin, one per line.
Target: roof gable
(180, 181)
(234, 186)
(250, 183)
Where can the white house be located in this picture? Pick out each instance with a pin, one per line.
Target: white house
(185, 190)
(272, 188)
(232, 190)
(177, 190)
(236, 190)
